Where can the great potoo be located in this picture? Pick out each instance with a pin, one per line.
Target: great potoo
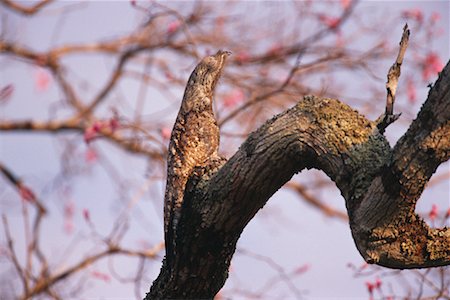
(194, 139)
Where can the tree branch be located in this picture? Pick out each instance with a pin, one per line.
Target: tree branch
(391, 85)
(25, 193)
(314, 201)
(320, 133)
(387, 231)
(76, 125)
(326, 134)
(26, 10)
(45, 283)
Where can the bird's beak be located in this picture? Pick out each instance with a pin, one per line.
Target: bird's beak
(227, 53)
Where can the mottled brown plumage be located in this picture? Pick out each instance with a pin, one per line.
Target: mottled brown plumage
(194, 139)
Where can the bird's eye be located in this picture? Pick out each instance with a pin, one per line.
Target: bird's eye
(210, 63)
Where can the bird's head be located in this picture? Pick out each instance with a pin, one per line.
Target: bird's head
(214, 64)
(208, 71)
(205, 76)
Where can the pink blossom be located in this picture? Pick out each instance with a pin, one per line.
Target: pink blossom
(340, 41)
(86, 215)
(6, 92)
(169, 75)
(302, 269)
(68, 226)
(411, 90)
(378, 283)
(133, 2)
(233, 98)
(433, 212)
(97, 126)
(42, 80)
(69, 209)
(101, 276)
(329, 21)
(114, 123)
(166, 132)
(370, 287)
(173, 26)
(431, 65)
(89, 134)
(345, 3)
(26, 193)
(242, 57)
(414, 13)
(435, 17)
(92, 131)
(90, 155)
(275, 49)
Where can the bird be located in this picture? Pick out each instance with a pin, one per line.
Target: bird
(193, 141)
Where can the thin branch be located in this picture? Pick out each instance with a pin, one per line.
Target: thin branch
(26, 10)
(301, 46)
(296, 68)
(282, 274)
(326, 209)
(51, 126)
(392, 82)
(76, 125)
(31, 238)
(23, 190)
(43, 285)
(13, 255)
(117, 73)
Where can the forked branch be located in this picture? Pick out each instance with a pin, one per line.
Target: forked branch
(380, 186)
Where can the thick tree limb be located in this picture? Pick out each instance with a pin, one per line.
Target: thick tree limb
(397, 237)
(380, 186)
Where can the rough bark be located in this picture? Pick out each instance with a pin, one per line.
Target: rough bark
(194, 141)
(380, 185)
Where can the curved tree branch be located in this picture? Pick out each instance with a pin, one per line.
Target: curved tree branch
(387, 231)
(23, 9)
(380, 186)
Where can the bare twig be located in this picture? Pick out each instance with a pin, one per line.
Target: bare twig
(23, 190)
(77, 125)
(279, 89)
(327, 210)
(116, 74)
(13, 255)
(282, 274)
(43, 285)
(392, 82)
(26, 10)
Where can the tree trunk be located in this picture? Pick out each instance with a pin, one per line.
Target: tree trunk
(380, 185)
